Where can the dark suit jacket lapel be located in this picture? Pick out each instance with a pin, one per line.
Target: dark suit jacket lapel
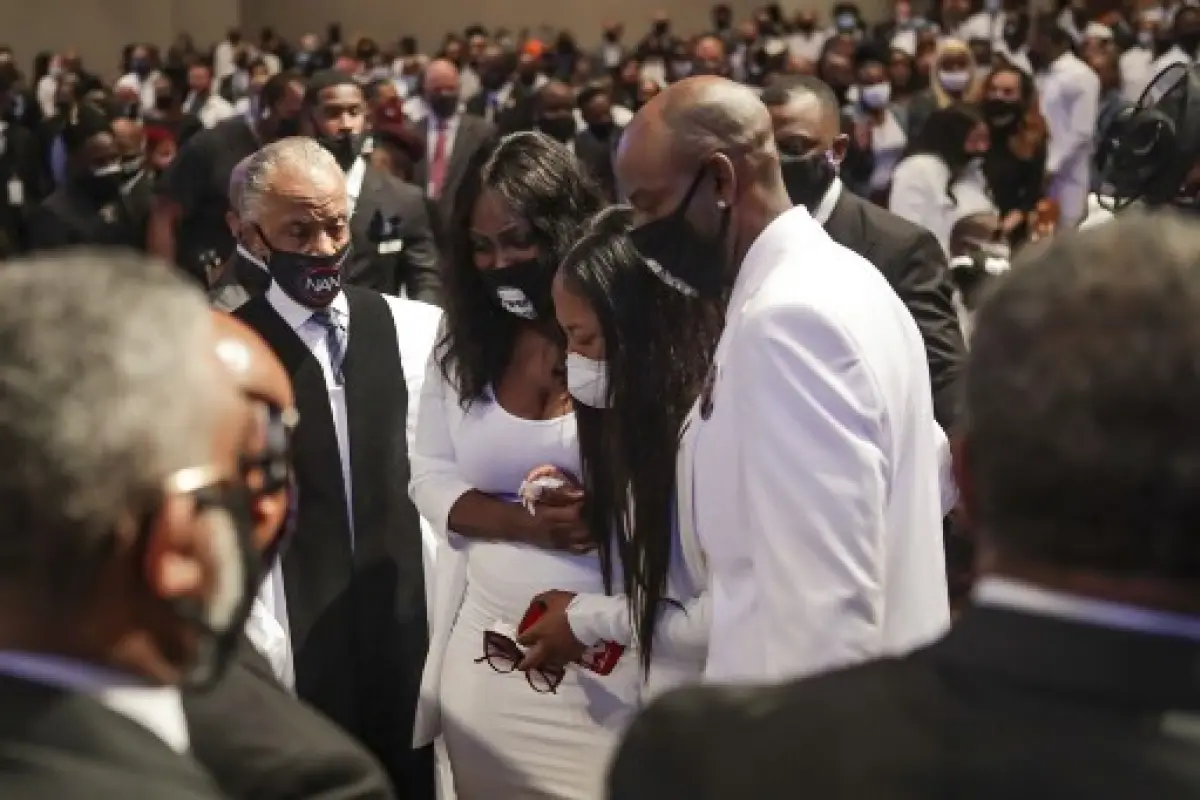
(364, 226)
(317, 566)
(846, 224)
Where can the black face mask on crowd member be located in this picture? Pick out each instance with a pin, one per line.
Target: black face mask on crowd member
(101, 185)
(685, 259)
(286, 126)
(521, 289)
(1189, 42)
(808, 177)
(601, 130)
(132, 166)
(561, 129)
(345, 147)
(1002, 116)
(311, 280)
(226, 506)
(163, 102)
(443, 106)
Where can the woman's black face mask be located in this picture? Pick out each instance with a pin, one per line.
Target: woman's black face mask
(690, 261)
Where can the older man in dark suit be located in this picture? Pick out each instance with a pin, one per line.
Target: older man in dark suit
(807, 122)
(1074, 674)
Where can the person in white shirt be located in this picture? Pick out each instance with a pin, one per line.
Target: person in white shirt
(633, 379)
(1070, 95)
(496, 409)
(809, 455)
(351, 590)
(128, 559)
(888, 139)
(1156, 49)
(201, 101)
(941, 179)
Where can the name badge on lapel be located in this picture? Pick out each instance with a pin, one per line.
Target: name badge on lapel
(389, 236)
(109, 214)
(16, 192)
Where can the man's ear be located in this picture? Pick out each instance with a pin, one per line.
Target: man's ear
(725, 180)
(175, 559)
(841, 143)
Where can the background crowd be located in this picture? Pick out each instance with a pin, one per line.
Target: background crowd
(1018, 105)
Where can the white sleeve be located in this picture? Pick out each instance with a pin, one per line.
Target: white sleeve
(435, 484)
(682, 629)
(1079, 130)
(815, 480)
(911, 196)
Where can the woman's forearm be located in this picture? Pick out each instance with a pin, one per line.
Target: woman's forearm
(476, 515)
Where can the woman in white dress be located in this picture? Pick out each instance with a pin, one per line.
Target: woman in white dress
(940, 180)
(495, 408)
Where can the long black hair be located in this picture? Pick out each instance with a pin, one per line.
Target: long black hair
(658, 344)
(945, 137)
(543, 183)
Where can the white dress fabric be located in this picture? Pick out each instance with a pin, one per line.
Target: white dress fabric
(919, 195)
(503, 739)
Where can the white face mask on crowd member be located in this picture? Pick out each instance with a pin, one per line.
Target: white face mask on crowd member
(587, 380)
(954, 80)
(876, 96)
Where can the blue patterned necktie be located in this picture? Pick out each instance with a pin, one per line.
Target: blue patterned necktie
(335, 340)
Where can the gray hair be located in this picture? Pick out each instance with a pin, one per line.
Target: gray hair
(299, 153)
(237, 183)
(103, 395)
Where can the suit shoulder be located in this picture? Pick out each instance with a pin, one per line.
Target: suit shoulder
(897, 231)
(405, 192)
(416, 314)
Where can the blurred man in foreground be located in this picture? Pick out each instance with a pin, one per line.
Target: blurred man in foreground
(127, 563)
(254, 736)
(1074, 673)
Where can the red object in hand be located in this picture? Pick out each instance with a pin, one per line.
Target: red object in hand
(601, 657)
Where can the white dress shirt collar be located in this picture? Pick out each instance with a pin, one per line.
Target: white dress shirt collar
(297, 315)
(1008, 593)
(758, 257)
(159, 709)
(824, 209)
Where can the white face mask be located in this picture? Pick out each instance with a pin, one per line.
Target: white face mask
(587, 380)
(954, 81)
(876, 96)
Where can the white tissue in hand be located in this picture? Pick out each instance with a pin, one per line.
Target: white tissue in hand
(531, 491)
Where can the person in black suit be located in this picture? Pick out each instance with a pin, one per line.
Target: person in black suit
(91, 208)
(355, 573)
(596, 144)
(257, 739)
(1074, 672)
(805, 115)
(451, 136)
(393, 245)
(127, 564)
(22, 183)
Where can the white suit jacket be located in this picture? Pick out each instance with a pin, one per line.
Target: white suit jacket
(814, 480)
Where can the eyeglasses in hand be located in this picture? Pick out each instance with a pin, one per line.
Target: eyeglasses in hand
(502, 654)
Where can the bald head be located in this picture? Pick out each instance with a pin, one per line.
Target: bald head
(694, 118)
(256, 370)
(441, 77)
(130, 137)
(702, 149)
